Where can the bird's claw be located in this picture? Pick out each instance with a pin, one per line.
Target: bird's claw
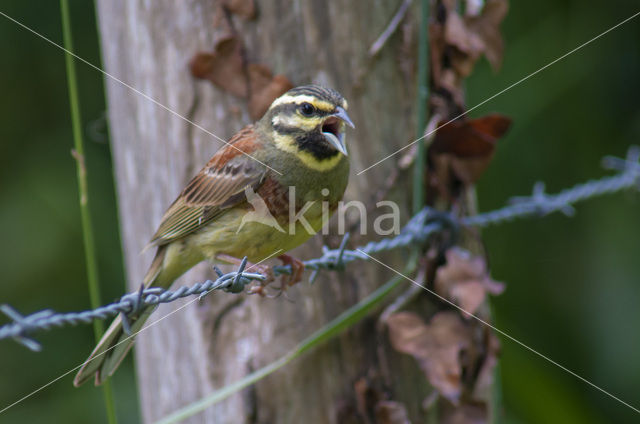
(259, 286)
(297, 268)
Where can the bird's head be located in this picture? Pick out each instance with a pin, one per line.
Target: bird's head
(309, 122)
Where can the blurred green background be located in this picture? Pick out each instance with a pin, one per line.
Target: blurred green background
(573, 284)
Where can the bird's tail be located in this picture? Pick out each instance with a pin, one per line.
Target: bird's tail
(116, 343)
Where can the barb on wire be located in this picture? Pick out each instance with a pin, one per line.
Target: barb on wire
(540, 203)
(127, 305)
(418, 230)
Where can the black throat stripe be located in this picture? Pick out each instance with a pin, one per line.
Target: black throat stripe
(316, 144)
(312, 142)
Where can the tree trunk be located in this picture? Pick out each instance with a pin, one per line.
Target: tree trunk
(208, 345)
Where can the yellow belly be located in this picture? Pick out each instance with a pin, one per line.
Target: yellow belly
(228, 234)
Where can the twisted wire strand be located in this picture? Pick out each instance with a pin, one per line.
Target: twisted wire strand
(418, 230)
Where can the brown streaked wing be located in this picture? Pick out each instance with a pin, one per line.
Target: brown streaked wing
(219, 185)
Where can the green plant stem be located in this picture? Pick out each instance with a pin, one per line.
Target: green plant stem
(342, 322)
(87, 228)
(422, 97)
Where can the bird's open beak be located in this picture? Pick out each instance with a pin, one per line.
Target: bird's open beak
(342, 114)
(333, 131)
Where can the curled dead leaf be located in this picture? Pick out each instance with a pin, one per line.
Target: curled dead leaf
(264, 89)
(468, 45)
(465, 281)
(487, 26)
(224, 67)
(470, 137)
(436, 346)
(372, 405)
(462, 150)
(467, 413)
(456, 43)
(391, 412)
(474, 35)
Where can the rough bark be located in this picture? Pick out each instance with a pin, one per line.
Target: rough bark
(207, 345)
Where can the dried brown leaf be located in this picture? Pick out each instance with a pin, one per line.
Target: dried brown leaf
(467, 413)
(470, 137)
(459, 41)
(436, 346)
(265, 88)
(468, 44)
(487, 27)
(475, 35)
(243, 8)
(465, 148)
(391, 412)
(224, 67)
(364, 394)
(465, 281)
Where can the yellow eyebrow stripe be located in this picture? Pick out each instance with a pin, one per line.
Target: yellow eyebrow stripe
(307, 124)
(302, 98)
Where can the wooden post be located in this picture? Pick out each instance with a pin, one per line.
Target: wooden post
(207, 345)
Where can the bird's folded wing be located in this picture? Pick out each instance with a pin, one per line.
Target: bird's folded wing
(219, 185)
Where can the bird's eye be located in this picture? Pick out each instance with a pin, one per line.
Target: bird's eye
(307, 109)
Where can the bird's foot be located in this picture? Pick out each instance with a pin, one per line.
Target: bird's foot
(257, 287)
(297, 268)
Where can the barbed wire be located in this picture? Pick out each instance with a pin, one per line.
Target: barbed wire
(418, 230)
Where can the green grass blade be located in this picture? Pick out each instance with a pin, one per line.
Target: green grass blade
(87, 228)
(422, 97)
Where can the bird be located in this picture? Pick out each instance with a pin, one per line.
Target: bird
(287, 167)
